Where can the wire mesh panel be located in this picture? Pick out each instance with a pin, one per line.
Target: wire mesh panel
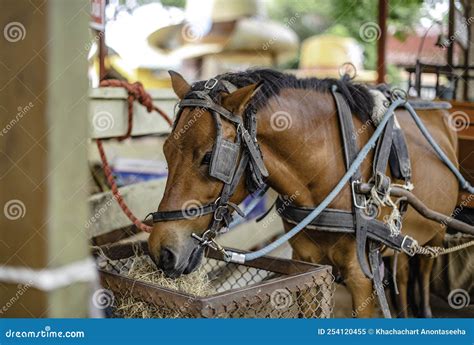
(264, 288)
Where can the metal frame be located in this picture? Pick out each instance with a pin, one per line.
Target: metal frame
(292, 275)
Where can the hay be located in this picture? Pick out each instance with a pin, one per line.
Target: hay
(143, 269)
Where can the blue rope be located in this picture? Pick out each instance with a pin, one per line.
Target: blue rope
(351, 171)
(464, 184)
(331, 196)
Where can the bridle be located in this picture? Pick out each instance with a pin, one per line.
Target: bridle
(224, 164)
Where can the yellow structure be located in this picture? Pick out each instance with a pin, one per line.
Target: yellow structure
(323, 55)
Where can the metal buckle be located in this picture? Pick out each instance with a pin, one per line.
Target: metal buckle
(219, 213)
(211, 83)
(354, 197)
(207, 239)
(347, 69)
(409, 250)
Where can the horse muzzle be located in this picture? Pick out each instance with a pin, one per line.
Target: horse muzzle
(174, 262)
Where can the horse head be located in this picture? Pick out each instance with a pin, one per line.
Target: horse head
(190, 186)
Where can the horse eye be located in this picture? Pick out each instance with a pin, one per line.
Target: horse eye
(206, 160)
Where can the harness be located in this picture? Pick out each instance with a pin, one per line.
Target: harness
(371, 234)
(224, 164)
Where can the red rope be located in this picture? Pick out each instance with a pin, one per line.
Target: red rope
(135, 92)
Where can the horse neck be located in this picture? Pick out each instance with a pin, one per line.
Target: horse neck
(302, 147)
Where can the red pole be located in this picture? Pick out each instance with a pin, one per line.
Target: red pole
(382, 42)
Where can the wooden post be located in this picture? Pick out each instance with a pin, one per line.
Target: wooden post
(381, 43)
(102, 55)
(43, 157)
(467, 52)
(451, 18)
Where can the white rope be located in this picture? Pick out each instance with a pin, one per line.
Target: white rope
(434, 252)
(48, 279)
(380, 106)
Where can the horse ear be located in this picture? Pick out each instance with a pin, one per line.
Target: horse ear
(180, 86)
(238, 100)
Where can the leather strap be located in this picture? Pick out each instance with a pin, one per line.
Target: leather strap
(350, 153)
(382, 151)
(209, 104)
(376, 264)
(182, 214)
(254, 152)
(420, 104)
(342, 221)
(399, 159)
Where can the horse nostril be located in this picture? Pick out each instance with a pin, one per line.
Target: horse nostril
(167, 259)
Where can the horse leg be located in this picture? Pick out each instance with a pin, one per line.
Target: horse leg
(420, 271)
(363, 295)
(424, 275)
(305, 299)
(402, 283)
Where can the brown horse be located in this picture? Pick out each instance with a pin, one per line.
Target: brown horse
(299, 136)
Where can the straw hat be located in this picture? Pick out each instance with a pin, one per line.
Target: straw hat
(323, 55)
(228, 26)
(225, 10)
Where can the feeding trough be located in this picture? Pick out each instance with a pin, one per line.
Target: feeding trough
(264, 288)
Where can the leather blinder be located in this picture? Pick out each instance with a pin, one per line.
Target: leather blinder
(224, 160)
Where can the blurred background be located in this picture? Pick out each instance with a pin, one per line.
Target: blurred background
(145, 38)
(55, 53)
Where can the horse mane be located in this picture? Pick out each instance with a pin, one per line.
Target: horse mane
(357, 96)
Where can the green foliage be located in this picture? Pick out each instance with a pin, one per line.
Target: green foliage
(402, 17)
(313, 15)
(345, 18)
(175, 3)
